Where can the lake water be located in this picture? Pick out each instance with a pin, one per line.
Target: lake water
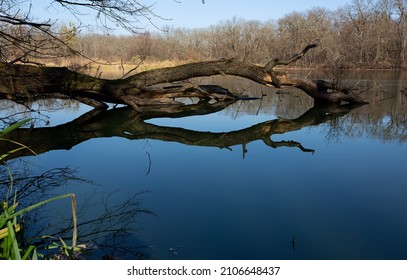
(272, 178)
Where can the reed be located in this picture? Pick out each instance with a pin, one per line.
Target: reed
(11, 217)
(11, 225)
(19, 146)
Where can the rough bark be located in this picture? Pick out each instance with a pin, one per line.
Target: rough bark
(23, 83)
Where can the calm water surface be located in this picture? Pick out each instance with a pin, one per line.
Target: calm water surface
(333, 186)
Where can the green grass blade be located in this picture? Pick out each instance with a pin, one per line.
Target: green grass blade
(34, 206)
(6, 247)
(13, 127)
(35, 254)
(74, 220)
(28, 252)
(15, 250)
(21, 147)
(5, 155)
(8, 130)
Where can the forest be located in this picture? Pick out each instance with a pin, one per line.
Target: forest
(364, 34)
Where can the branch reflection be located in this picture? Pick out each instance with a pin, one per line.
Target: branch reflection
(126, 123)
(106, 234)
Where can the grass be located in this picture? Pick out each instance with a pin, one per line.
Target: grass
(11, 217)
(11, 225)
(20, 146)
(115, 70)
(118, 70)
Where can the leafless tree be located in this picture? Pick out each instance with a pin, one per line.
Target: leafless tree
(23, 38)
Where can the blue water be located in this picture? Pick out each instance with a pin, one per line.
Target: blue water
(347, 200)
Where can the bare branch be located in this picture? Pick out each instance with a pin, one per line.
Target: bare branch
(127, 14)
(273, 63)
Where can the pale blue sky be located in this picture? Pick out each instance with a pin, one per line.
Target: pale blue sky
(194, 14)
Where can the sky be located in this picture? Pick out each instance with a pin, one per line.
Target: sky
(195, 14)
(192, 13)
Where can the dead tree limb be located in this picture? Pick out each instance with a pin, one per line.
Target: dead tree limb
(23, 83)
(275, 62)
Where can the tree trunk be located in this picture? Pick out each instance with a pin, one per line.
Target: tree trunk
(23, 83)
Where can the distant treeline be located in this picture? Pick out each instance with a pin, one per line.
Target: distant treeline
(364, 34)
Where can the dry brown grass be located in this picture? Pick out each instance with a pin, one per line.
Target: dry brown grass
(113, 70)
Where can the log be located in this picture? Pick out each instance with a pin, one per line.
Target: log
(26, 83)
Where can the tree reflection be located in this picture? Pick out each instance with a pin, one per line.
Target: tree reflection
(111, 233)
(32, 188)
(126, 123)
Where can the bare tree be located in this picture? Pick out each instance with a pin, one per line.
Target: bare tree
(21, 37)
(400, 20)
(359, 15)
(26, 39)
(127, 14)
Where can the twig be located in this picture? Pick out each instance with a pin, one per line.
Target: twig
(149, 163)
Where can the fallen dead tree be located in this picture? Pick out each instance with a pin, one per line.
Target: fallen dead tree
(154, 88)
